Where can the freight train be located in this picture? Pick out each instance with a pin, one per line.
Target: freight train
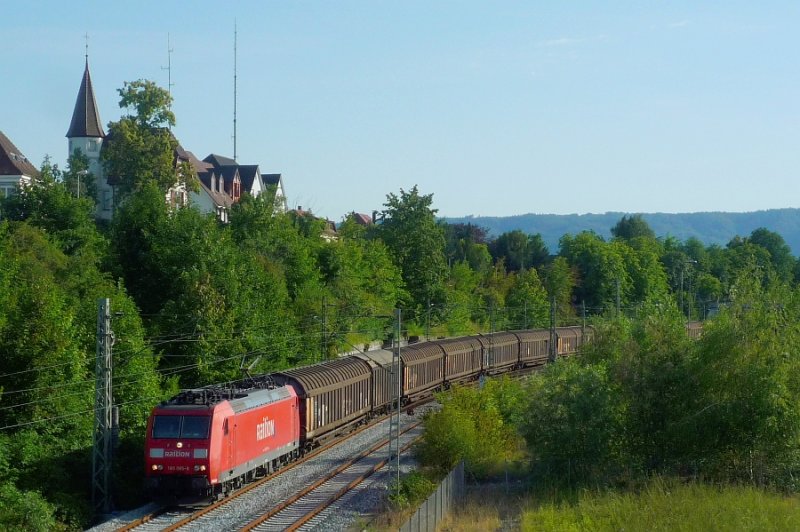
(203, 443)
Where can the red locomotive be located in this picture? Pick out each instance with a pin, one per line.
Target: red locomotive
(205, 442)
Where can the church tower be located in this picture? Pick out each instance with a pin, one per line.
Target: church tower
(86, 134)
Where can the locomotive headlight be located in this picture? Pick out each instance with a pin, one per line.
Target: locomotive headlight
(160, 467)
(154, 467)
(202, 468)
(179, 445)
(197, 468)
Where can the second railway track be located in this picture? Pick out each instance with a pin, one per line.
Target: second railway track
(308, 503)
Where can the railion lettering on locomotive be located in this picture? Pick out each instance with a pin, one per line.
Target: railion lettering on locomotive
(177, 454)
(265, 429)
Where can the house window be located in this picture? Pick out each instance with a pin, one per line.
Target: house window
(93, 145)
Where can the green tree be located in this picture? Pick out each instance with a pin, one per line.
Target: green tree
(416, 243)
(779, 253)
(559, 281)
(745, 421)
(512, 247)
(473, 425)
(538, 253)
(601, 269)
(527, 302)
(520, 251)
(48, 205)
(633, 226)
(644, 267)
(462, 237)
(462, 285)
(364, 285)
(134, 255)
(140, 147)
(77, 179)
(574, 429)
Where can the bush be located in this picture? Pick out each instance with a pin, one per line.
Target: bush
(414, 489)
(25, 510)
(472, 425)
(575, 423)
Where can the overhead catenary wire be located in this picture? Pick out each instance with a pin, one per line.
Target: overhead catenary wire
(188, 337)
(167, 373)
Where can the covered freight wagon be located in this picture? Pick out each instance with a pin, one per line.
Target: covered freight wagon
(569, 339)
(422, 369)
(384, 386)
(500, 351)
(333, 394)
(534, 346)
(463, 358)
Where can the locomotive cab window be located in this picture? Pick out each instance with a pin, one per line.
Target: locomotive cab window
(167, 427)
(189, 427)
(195, 427)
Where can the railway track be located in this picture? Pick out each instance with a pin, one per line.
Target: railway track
(311, 501)
(170, 519)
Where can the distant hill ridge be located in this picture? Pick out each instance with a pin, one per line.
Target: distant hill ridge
(708, 227)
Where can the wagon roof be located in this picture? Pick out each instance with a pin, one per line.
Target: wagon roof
(498, 338)
(382, 357)
(564, 332)
(325, 374)
(421, 352)
(533, 334)
(454, 344)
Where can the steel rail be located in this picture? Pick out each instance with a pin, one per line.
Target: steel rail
(319, 508)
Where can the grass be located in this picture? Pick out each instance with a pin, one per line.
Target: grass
(662, 505)
(669, 505)
(482, 511)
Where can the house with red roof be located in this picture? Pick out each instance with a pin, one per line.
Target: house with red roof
(15, 169)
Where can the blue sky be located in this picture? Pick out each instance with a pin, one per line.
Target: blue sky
(497, 108)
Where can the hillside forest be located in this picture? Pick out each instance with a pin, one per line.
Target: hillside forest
(196, 302)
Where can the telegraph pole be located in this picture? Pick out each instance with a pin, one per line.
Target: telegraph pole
(553, 337)
(428, 320)
(394, 420)
(101, 453)
(324, 329)
(525, 314)
(583, 318)
(235, 33)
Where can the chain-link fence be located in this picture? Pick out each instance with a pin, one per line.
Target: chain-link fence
(438, 504)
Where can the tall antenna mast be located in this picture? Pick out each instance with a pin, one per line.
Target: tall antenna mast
(86, 36)
(234, 89)
(168, 68)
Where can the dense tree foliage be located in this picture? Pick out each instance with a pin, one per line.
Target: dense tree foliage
(416, 244)
(630, 227)
(476, 426)
(140, 147)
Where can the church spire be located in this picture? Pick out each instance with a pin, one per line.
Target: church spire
(85, 117)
